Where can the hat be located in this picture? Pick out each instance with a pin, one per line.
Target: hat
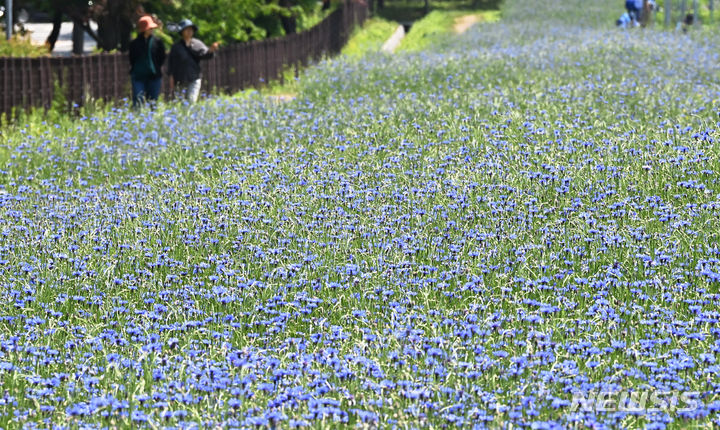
(185, 23)
(146, 23)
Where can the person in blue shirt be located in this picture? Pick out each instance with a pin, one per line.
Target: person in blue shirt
(624, 21)
(634, 9)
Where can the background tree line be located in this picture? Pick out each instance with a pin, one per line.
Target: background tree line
(226, 21)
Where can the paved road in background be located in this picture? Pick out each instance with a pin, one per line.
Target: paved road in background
(63, 47)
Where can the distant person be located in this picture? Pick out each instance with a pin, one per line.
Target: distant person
(147, 55)
(624, 21)
(648, 11)
(651, 6)
(644, 16)
(184, 62)
(634, 9)
(688, 22)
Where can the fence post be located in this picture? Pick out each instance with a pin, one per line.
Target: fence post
(9, 17)
(668, 11)
(5, 105)
(696, 13)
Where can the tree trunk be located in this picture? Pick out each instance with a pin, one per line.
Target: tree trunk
(115, 20)
(78, 37)
(55, 33)
(108, 32)
(126, 28)
(289, 23)
(711, 6)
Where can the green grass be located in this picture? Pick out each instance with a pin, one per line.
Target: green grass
(369, 38)
(438, 25)
(20, 47)
(704, 12)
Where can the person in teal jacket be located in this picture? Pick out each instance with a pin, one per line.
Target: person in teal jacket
(147, 55)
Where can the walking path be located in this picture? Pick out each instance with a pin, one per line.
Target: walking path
(463, 23)
(63, 47)
(394, 41)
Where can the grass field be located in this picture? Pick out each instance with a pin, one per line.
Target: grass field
(478, 233)
(438, 25)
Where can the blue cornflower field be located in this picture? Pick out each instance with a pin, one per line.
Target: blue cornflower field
(475, 235)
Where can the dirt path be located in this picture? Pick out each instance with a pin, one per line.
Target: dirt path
(394, 41)
(464, 22)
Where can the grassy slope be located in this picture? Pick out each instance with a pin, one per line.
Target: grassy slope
(438, 25)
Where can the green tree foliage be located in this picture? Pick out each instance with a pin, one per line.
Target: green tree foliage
(236, 20)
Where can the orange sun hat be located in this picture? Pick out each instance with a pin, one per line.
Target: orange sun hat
(146, 23)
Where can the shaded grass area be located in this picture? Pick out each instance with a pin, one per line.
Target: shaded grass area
(413, 10)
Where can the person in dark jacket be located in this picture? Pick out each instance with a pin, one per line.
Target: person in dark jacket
(147, 55)
(184, 61)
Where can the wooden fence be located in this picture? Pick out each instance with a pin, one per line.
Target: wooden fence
(30, 82)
